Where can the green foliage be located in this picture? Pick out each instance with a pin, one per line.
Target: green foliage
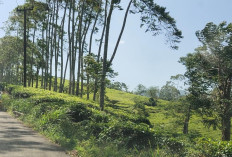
(131, 135)
(147, 102)
(152, 102)
(169, 92)
(3, 86)
(122, 129)
(140, 107)
(93, 68)
(163, 117)
(78, 112)
(209, 72)
(153, 92)
(118, 86)
(70, 121)
(155, 19)
(10, 50)
(214, 148)
(140, 90)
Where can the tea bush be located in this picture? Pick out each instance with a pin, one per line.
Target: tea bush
(215, 148)
(73, 122)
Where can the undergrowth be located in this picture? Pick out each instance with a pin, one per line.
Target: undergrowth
(130, 126)
(78, 124)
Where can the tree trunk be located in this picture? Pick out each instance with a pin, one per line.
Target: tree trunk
(186, 121)
(61, 51)
(47, 51)
(120, 35)
(73, 48)
(99, 54)
(56, 47)
(86, 28)
(42, 67)
(31, 78)
(37, 77)
(80, 48)
(104, 67)
(52, 47)
(70, 46)
(226, 117)
(226, 127)
(90, 49)
(65, 70)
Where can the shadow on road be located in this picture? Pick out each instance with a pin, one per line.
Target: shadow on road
(18, 140)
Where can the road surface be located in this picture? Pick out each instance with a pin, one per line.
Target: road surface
(17, 140)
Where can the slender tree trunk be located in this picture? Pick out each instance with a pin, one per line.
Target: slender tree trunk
(32, 56)
(73, 48)
(42, 75)
(90, 49)
(18, 63)
(70, 47)
(62, 46)
(99, 54)
(47, 51)
(88, 23)
(186, 121)
(65, 70)
(120, 35)
(56, 47)
(104, 67)
(52, 47)
(80, 48)
(37, 77)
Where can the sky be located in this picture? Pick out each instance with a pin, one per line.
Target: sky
(146, 59)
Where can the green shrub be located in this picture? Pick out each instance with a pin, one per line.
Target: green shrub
(71, 122)
(152, 102)
(130, 134)
(147, 102)
(5, 103)
(139, 106)
(21, 94)
(100, 117)
(49, 99)
(214, 148)
(141, 119)
(3, 85)
(79, 112)
(174, 146)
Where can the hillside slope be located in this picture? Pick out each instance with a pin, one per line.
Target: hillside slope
(160, 115)
(126, 127)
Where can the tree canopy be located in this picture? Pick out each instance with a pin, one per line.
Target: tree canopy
(209, 71)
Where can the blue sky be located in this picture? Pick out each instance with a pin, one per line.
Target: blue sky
(147, 60)
(142, 58)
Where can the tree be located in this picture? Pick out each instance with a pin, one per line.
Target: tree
(118, 86)
(140, 90)
(153, 16)
(55, 38)
(169, 92)
(11, 59)
(11, 49)
(210, 67)
(153, 92)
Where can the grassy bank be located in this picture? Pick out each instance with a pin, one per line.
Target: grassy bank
(79, 125)
(127, 128)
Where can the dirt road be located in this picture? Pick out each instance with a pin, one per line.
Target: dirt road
(17, 140)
